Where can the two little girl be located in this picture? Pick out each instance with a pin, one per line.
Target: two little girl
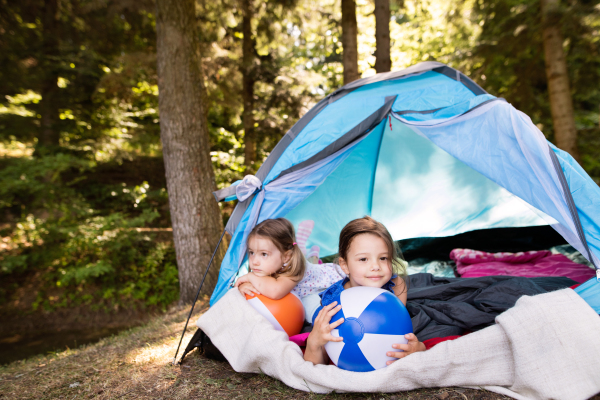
(367, 257)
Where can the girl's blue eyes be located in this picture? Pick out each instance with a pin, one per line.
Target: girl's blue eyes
(381, 258)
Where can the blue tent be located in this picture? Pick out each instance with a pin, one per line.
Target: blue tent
(427, 152)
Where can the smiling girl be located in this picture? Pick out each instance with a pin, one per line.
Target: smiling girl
(368, 256)
(275, 261)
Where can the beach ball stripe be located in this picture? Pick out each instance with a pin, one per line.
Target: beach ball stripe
(379, 323)
(286, 314)
(354, 305)
(264, 311)
(381, 344)
(352, 359)
(334, 349)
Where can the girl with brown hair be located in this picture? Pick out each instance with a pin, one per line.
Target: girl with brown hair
(368, 256)
(275, 261)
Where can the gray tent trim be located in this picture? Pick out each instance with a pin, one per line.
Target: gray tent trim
(398, 114)
(571, 204)
(224, 193)
(360, 130)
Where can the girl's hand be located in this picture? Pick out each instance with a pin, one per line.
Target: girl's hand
(412, 346)
(241, 280)
(321, 333)
(246, 288)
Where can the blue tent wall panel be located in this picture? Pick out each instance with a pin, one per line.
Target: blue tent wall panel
(422, 191)
(344, 196)
(503, 145)
(426, 91)
(590, 292)
(586, 195)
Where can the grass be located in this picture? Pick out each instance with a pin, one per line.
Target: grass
(136, 364)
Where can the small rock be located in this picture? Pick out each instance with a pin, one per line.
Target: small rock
(75, 384)
(394, 398)
(442, 396)
(100, 391)
(459, 390)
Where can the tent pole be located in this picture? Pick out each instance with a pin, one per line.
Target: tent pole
(196, 299)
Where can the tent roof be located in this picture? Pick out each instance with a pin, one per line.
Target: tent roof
(429, 87)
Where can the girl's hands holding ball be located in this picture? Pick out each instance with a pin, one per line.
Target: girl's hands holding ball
(412, 346)
(321, 334)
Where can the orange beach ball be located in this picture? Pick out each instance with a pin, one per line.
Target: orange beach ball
(286, 314)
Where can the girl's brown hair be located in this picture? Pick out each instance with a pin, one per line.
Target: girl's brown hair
(367, 224)
(280, 231)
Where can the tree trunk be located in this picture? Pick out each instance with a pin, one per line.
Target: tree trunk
(248, 84)
(349, 41)
(383, 62)
(195, 215)
(561, 102)
(49, 135)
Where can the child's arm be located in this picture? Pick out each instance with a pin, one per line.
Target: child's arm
(412, 346)
(400, 289)
(268, 286)
(321, 334)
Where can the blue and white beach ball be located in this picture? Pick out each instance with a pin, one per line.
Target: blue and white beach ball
(374, 319)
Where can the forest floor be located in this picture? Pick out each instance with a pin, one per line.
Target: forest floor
(136, 364)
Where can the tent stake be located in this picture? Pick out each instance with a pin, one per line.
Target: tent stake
(196, 299)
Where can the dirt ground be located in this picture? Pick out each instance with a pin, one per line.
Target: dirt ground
(136, 364)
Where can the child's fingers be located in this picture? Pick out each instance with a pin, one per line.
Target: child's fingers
(411, 337)
(335, 324)
(332, 338)
(402, 346)
(334, 311)
(396, 354)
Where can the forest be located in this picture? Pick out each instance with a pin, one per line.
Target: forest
(86, 192)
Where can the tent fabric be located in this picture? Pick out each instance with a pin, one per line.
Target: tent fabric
(502, 144)
(479, 163)
(275, 199)
(524, 355)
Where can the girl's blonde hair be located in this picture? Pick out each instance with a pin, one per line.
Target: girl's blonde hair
(367, 224)
(280, 231)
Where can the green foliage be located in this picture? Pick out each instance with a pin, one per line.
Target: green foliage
(86, 243)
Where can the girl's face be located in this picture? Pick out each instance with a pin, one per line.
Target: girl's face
(264, 258)
(368, 262)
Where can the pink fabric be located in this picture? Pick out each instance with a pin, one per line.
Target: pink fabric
(531, 264)
(300, 339)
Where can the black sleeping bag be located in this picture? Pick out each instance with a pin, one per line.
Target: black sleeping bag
(441, 307)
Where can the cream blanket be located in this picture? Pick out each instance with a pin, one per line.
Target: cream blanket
(546, 347)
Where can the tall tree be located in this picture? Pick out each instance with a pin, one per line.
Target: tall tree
(248, 82)
(349, 41)
(383, 62)
(190, 178)
(561, 102)
(49, 133)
